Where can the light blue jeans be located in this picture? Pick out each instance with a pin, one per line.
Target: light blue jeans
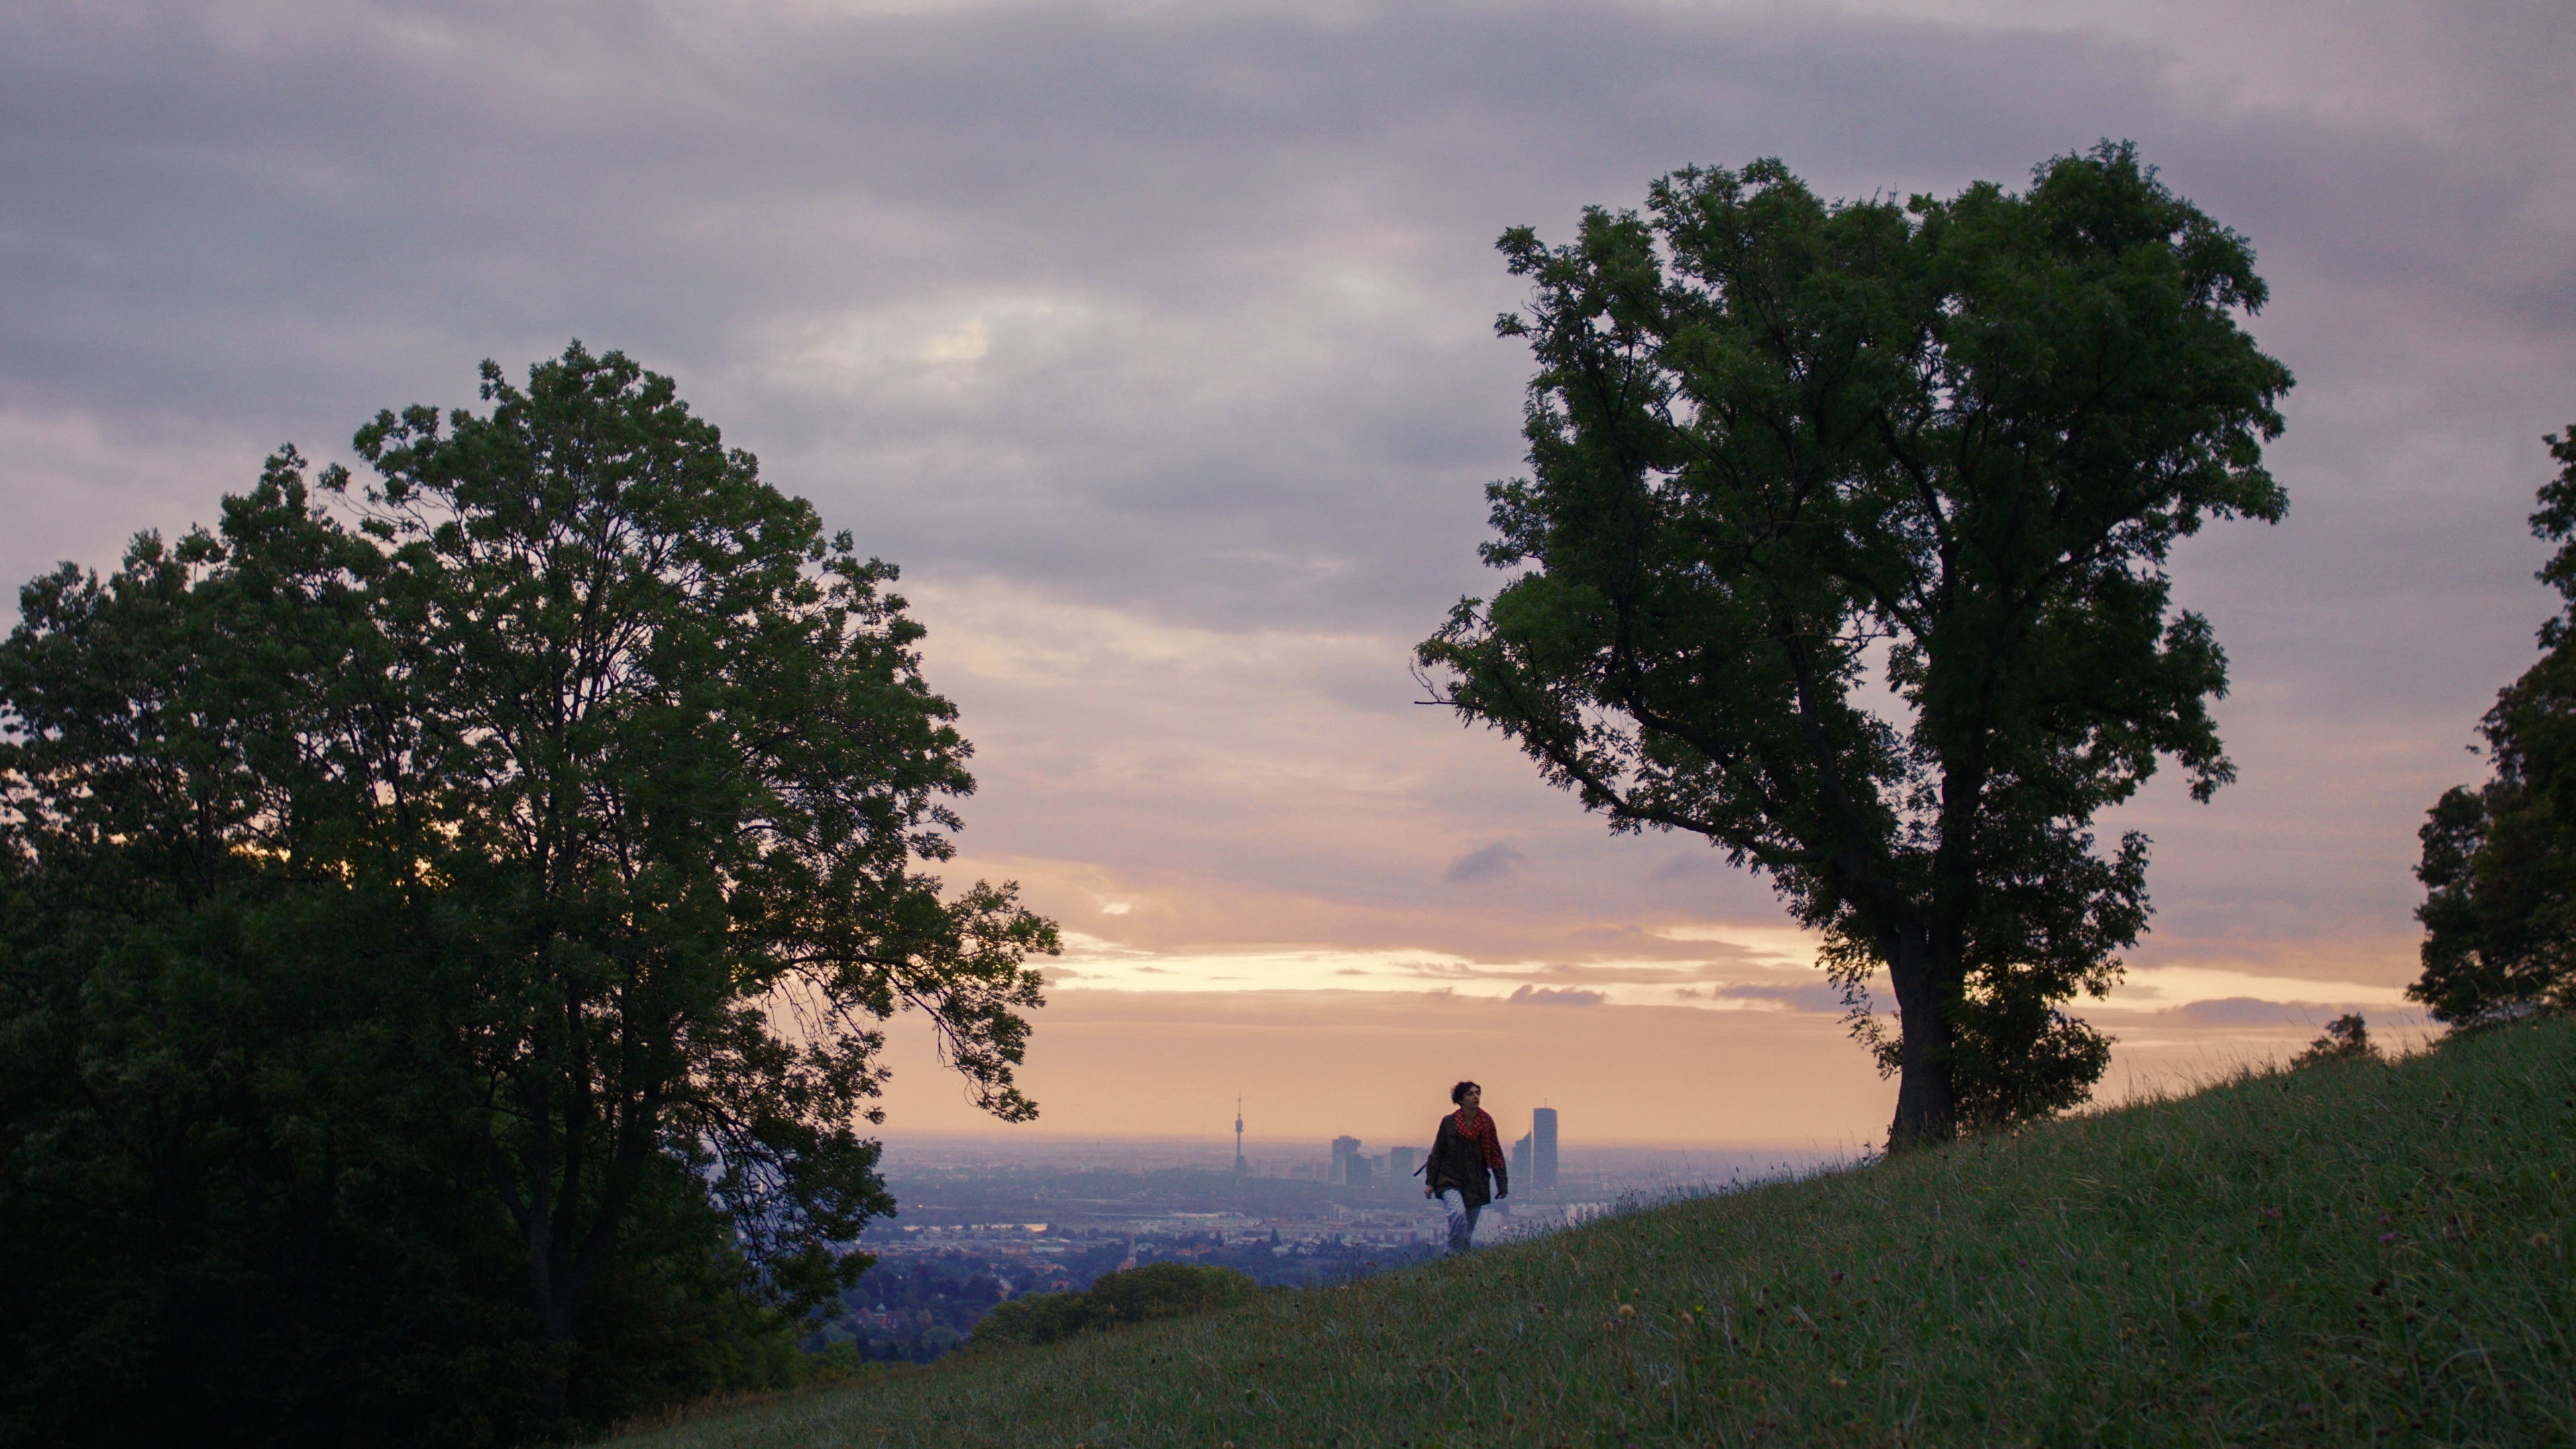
(1462, 1219)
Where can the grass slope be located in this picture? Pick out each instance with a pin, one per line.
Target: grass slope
(2352, 1254)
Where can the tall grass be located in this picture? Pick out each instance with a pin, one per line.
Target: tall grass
(2355, 1253)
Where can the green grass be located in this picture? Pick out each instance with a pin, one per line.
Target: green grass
(2352, 1254)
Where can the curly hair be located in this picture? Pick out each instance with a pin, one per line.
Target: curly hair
(1459, 1092)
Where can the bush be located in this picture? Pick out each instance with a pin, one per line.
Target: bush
(1039, 1318)
(1167, 1290)
(2347, 1039)
(1137, 1295)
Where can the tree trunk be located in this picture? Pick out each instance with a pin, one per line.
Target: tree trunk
(1926, 1110)
(559, 1294)
(554, 1282)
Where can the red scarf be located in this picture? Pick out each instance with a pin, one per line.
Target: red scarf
(1479, 1128)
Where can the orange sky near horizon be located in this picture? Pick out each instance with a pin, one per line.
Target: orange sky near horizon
(1377, 1065)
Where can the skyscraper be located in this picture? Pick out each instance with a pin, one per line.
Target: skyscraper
(1521, 1161)
(1346, 1150)
(1543, 1147)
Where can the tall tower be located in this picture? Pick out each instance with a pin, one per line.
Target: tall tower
(1543, 1147)
(1239, 1168)
(1345, 1151)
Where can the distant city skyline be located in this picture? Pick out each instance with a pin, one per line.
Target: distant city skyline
(917, 1159)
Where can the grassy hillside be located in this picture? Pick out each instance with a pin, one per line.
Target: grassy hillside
(2349, 1254)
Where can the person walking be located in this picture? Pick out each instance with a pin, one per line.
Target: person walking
(1466, 1148)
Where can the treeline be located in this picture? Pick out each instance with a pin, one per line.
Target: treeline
(447, 922)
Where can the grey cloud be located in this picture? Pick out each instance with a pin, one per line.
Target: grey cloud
(2244, 1011)
(1232, 280)
(1695, 866)
(1626, 974)
(1551, 996)
(1492, 862)
(301, 213)
(1816, 997)
(2250, 1011)
(1618, 936)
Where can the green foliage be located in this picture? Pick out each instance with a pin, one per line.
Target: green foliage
(676, 761)
(234, 1203)
(443, 956)
(1132, 1296)
(2346, 1039)
(2499, 861)
(1782, 451)
(1037, 1318)
(1166, 1290)
(2375, 1254)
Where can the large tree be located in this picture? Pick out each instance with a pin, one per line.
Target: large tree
(2499, 861)
(1844, 546)
(520, 873)
(679, 763)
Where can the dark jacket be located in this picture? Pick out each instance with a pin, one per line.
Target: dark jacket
(1460, 1161)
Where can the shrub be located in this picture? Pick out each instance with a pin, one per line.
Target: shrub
(1137, 1295)
(1167, 1290)
(2347, 1039)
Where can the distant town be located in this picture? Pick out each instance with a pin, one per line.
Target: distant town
(984, 1219)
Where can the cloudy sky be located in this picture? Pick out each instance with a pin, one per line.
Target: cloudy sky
(1154, 341)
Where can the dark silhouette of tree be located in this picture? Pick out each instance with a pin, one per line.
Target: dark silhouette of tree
(1784, 451)
(2346, 1039)
(677, 763)
(498, 897)
(2499, 861)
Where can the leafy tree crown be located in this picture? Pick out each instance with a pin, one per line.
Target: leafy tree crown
(1844, 546)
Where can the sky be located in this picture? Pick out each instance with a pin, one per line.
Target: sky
(1155, 343)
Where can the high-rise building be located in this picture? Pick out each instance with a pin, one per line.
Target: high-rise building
(1521, 1161)
(1345, 1151)
(1400, 1162)
(1543, 1147)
